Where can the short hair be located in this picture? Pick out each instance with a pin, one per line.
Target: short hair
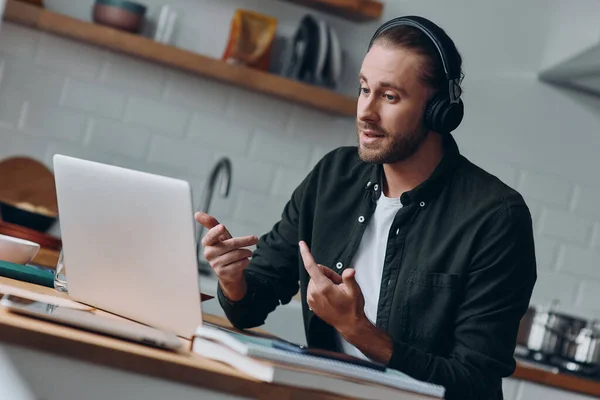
(413, 39)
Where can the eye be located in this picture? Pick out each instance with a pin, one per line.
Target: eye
(363, 90)
(390, 97)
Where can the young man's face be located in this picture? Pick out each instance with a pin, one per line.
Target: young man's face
(390, 105)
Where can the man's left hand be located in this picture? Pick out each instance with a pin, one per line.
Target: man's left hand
(339, 302)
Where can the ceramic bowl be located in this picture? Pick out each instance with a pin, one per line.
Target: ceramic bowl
(17, 251)
(120, 14)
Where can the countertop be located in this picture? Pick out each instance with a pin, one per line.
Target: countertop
(183, 367)
(190, 368)
(559, 380)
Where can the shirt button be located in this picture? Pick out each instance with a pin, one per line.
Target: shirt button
(361, 219)
(422, 204)
(376, 187)
(398, 231)
(389, 282)
(368, 183)
(339, 265)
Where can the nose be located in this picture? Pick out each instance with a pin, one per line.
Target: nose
(366, 108)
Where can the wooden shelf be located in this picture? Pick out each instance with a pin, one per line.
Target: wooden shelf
(142, 47)
(354, 10)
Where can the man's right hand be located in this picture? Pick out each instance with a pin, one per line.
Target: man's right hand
(226, 255)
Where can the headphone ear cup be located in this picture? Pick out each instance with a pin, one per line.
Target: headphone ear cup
(442, 116)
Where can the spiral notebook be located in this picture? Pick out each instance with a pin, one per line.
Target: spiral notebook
(259, 348)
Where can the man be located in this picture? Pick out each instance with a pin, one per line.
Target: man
(405, 252)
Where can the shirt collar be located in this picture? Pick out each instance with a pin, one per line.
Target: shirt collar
(428, 188)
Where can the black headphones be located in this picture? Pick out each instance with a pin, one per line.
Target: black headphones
(445, 110)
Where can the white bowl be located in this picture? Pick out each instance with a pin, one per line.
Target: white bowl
(17, 251)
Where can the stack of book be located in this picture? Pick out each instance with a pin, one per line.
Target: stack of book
(277, 361)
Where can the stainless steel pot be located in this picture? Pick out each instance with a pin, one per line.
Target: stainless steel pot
(546, 331)
(585, 346)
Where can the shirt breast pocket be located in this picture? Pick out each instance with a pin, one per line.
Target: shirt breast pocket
(430, 308)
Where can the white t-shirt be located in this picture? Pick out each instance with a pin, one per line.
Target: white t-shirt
(369, 259)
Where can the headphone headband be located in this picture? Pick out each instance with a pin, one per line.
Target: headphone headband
(437, 36)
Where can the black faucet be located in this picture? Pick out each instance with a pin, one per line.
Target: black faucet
(224, 166)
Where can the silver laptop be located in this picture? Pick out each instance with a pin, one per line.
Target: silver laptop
(129, 243)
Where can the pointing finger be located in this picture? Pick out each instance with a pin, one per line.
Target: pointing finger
(311, 266)
(208, 221)
(216, 235)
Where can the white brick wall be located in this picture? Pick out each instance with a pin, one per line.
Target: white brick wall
(135, 76)
(46, 121)
(94, 99)
(565, 226)
(58, 96)
(171, 120)
(73, 59)
(550, 190)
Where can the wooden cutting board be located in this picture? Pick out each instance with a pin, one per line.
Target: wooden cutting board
(25, 180)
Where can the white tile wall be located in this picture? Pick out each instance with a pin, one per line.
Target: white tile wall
(195, 92)
(221, 134)
(93, 98)
(31, 80)
(565, 226)
(112, 136)
(179, 154)
(12, 109)
(260, 110)
(580, 261)
(74, 59)
(587, 202)
(152, 114)
(47, 121)
(135, 76)
(543, 188)
(18, 41)
(58, 96)
(277, 149)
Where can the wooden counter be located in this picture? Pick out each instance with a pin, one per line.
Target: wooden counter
(558, 380)
(184, 367)
(187, 367)
(46, 258)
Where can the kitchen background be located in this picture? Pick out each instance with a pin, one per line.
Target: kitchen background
(62, 96)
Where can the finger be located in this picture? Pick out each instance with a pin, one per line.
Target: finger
(335, 278)
(349, 278)
(238, 242)
(208, 221)
(228, 245)
(231, 272)
(215, 235)
(311, 266)
(231, 257)
(308, 260)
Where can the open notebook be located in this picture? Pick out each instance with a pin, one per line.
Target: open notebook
(259, 358)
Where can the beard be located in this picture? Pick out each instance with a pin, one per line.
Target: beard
(393, 147)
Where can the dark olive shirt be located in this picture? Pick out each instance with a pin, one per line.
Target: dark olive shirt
(458, 273)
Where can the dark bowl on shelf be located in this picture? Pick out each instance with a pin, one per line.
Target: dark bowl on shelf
(119, 14)
(18, 216)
